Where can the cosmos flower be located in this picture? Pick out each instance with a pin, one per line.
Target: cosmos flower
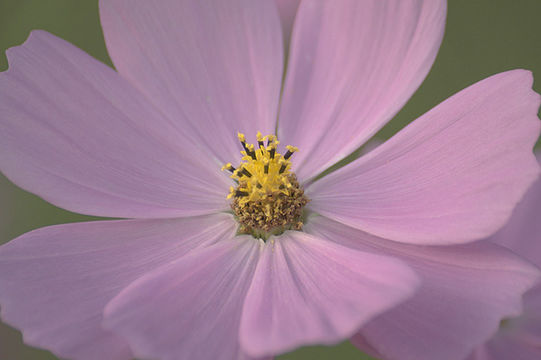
(520, 338)
(257, 259)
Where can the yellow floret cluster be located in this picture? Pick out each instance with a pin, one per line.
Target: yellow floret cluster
(267, 196)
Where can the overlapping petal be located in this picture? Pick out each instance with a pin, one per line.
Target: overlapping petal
(452, 176)
(505, 348)
(353, 65)
(56, 281)
(520, 337)
(191, 308)
(216, 65)
(75, 133)
(522, 233)
(310, 291)
(465, 291)
(287, 10)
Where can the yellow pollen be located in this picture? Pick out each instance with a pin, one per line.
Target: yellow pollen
(268, 198)
(263, 171)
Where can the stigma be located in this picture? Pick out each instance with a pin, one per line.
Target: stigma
(268, 198)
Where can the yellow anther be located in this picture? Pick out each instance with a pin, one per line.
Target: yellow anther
(263, 171)
(227, 166)
(271, 138)
(292, 148)
(231, 192)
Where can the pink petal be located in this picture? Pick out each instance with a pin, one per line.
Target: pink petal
(353, 65)
(75, 133)
(56, 281)
(310, 291)
(522, 334)
(191, 308)
(451, 176)
(508, 348)
(466, 290)
(522, 233)
(520, 337)
(287, 10)
(530, 322)
(216, 63)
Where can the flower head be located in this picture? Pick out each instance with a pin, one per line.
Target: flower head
(264, 256)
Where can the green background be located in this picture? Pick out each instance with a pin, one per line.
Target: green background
(483, 37)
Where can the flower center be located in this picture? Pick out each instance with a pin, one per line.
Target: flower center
(268, 198)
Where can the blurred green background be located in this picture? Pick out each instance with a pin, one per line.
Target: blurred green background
(483, 37)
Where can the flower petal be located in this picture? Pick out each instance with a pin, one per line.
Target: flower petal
(75, 133)
(191, 308)
(466, 290)
(56, 281)
(523, 334)
(522, 233)
(452, 176)
(216, 63)
(520, 337)
(310, 291)
(353, 65)
(506, 348)
(287, 10)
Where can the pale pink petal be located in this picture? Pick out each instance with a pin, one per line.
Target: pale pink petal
(310, 291)
(522, 233)
(466, 290)
(522, 333)
(287, 10)
(520, 336)
(452, 176)
(508, 348)
(216, 63)
(75, 133)
(191, 308)
(56, 281)
(480, 353)
(353, 64)
(532, 310)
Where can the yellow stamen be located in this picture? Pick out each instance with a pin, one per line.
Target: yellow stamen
(263, 171)
(228, 167)
(268, 195)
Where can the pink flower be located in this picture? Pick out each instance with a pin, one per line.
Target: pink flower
(520, 338)
(147, 142)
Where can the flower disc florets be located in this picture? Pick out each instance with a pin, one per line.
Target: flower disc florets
(268, 198)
